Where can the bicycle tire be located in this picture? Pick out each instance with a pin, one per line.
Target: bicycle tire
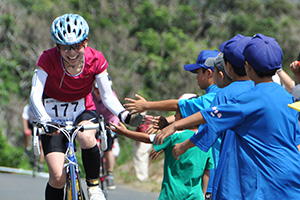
(73, 186)
(103, 177)
(68, 194)
(81, 195)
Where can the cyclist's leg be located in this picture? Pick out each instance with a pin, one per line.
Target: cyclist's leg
(55, 162)
(90, 154)
(54, 148)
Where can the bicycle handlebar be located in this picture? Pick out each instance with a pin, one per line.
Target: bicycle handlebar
(70, 131)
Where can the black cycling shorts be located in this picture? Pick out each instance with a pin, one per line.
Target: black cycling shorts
(58, 143)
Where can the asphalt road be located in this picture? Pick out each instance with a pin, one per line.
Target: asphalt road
(25, 187)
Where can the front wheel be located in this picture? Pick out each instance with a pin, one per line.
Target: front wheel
(74, 189)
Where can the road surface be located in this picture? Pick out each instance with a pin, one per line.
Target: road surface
(25, 187)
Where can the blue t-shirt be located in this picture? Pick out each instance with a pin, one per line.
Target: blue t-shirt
(223, 96)
(265, 132)
(191, 106)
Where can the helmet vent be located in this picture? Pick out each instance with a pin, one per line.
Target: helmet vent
(60, 37)
(69, 28)
(79, 33)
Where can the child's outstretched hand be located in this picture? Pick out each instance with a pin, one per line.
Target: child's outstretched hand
(119, 129)
(136, 105)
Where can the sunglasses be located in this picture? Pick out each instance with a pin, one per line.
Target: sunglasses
(76, 47)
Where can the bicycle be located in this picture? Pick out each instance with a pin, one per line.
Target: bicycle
(73, 188)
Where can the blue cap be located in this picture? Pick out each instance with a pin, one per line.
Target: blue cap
(233, 50)
(221, 48)
(201, 61)
(263, 53)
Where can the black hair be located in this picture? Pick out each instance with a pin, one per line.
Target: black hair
(204, 70)
(224, 72)
(239, 71)
(261, 74)
(196, 70)
(265, 74)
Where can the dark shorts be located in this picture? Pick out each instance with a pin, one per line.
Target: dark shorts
(110, 139)
(58, 143)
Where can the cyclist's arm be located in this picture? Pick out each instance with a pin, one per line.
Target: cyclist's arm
(26, 128)
(37, 89)
(108, 98)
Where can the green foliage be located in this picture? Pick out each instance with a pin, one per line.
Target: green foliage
(9, 156)
(8, 80)
(145, 42)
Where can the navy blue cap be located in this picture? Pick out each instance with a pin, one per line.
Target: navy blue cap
(201, 61)
(263, 53)
(234, 48)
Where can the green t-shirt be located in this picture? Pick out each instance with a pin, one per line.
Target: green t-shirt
(182, 178)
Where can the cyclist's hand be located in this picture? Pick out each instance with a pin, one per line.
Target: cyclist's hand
(162, 134)
(154, 155)
(51, 128)
(136, 106)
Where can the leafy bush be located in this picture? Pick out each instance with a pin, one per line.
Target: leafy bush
(10, 156)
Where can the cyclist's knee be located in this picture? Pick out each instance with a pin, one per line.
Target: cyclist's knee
(87, 139)
(57, 180)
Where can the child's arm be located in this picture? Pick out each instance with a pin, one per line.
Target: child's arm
(205, 179)
(181, 148)
(286, 80)
(141, 104)
(191, 121)
(122, 130)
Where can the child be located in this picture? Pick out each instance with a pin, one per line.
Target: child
(185, 106)
(266, 131)
(234, 66)
(184, 179)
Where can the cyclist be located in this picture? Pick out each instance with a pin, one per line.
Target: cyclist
(111, 136)
(61, 91)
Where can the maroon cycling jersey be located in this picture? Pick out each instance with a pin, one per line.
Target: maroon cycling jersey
(66, 87)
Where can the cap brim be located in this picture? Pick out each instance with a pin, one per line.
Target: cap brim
(192, 67)
(295, 106)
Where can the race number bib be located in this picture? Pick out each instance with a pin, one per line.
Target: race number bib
(61, 112)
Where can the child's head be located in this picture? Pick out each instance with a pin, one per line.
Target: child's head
(233, 54)
(204, 72)
(264, 55)
(221, 78)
